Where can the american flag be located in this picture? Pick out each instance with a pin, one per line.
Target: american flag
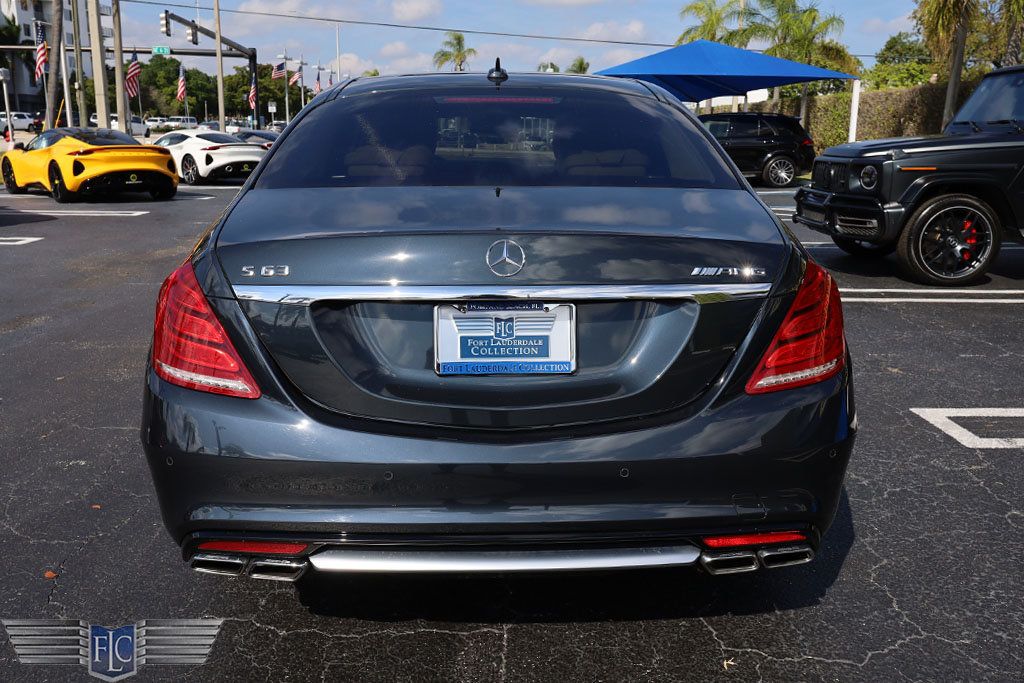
(252, 93)
(279, 71)
(316, 85)
(181, 83)
(295, 77)
(330, 78)
(131, 79)
(41, 51)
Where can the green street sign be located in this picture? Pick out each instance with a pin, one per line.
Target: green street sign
(161, 50)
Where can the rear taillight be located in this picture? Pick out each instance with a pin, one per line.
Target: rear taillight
(190, 347)
(210, 148)
(807, 142)
(809, 346)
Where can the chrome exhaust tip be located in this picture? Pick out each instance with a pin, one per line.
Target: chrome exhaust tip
(222, 565)
(786, 556)
(276, 569)
(735, 562)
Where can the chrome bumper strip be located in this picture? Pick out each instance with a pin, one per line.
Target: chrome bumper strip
(304, 295)
(462, 561)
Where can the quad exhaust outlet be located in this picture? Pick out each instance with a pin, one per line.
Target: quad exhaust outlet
(741, 561)
(268, 568)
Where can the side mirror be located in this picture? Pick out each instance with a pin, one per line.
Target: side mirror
(19, 145)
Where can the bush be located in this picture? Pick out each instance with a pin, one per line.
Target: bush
(890, 113)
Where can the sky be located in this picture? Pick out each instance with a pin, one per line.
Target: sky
(398, 50)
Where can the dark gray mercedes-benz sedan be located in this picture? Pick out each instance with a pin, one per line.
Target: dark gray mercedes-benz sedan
(497, 323)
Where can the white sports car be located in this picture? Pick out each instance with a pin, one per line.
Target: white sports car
(203, 155)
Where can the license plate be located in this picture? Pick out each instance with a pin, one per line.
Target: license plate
(505, 338)
(812, 215)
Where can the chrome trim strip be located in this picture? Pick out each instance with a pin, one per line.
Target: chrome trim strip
(304, 295)
(942, 148)
(461, 561)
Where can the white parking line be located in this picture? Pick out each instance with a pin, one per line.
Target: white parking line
(17, 241)
(919, 290)
(72, 212)
(913, 300)
(940, 418)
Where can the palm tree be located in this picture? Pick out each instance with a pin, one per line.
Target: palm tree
(454, 51)
(549, 67)
(578, 66)
(810, 30)
(713, 20)
(945, 24)
(371, 72)
(771, 21)
(1013, 15)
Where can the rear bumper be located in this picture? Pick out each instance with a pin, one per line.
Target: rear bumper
(233, 468)
(230, 168)
(852, 216)
(125, 181)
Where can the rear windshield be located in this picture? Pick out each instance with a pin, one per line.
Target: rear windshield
(101, 136)
(551, 136)
(221, 138)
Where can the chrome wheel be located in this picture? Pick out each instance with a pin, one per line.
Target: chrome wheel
(955, 242)
(781, 172)
(190, 170)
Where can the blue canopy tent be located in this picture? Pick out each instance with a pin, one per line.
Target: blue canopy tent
(703, 69)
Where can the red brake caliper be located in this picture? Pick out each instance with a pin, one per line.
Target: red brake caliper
(971, 237)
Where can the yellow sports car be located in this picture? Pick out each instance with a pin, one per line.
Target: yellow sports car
(73, 162)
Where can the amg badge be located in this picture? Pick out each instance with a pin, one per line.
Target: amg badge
(746, 271)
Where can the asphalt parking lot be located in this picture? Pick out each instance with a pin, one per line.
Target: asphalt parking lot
(920, 578)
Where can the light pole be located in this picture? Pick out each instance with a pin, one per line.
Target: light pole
(76, 37)
(220, 65)
(287, 88)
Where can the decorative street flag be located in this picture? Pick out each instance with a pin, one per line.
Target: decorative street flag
(316, 85)
(295, 77)
(279, 71)
(41, 50)
(252, 93)
(131, 79)
(181, 83)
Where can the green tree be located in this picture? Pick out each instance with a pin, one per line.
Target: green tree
(714, 21)
(371, 72)
(548, 66)
(945, 25)
(454, 51)
(578, 66)
(902, 62)
(10, 34)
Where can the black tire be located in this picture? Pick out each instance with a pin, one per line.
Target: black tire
(165, 191)
(862, 249)
(950, 240)
(58, 190)
(779, 171)
(9, 181)
(190, 171)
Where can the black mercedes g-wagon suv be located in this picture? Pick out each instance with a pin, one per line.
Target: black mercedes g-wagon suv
(944, 203)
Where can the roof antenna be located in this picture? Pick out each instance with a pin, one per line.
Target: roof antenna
(497, 75)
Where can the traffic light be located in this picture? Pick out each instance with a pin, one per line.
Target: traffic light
(165, 23)
(192, 33)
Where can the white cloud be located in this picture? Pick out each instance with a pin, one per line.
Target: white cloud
(412, 10)
(351, 64)
(395, 49)
(562, 56)
(417, 63)
(887, 26)
(617, 56)
(614, 30)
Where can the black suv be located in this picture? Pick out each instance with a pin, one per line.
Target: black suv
(944, 203)
(772, 147)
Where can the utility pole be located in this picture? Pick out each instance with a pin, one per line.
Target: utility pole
(739, 26)
(302, 82)
(220, 64)
(64, 80)
(99, 68)
(76, 36)
(124, 113)
(337, 47)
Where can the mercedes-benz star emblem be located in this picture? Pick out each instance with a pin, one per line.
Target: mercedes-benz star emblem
(505, 258)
